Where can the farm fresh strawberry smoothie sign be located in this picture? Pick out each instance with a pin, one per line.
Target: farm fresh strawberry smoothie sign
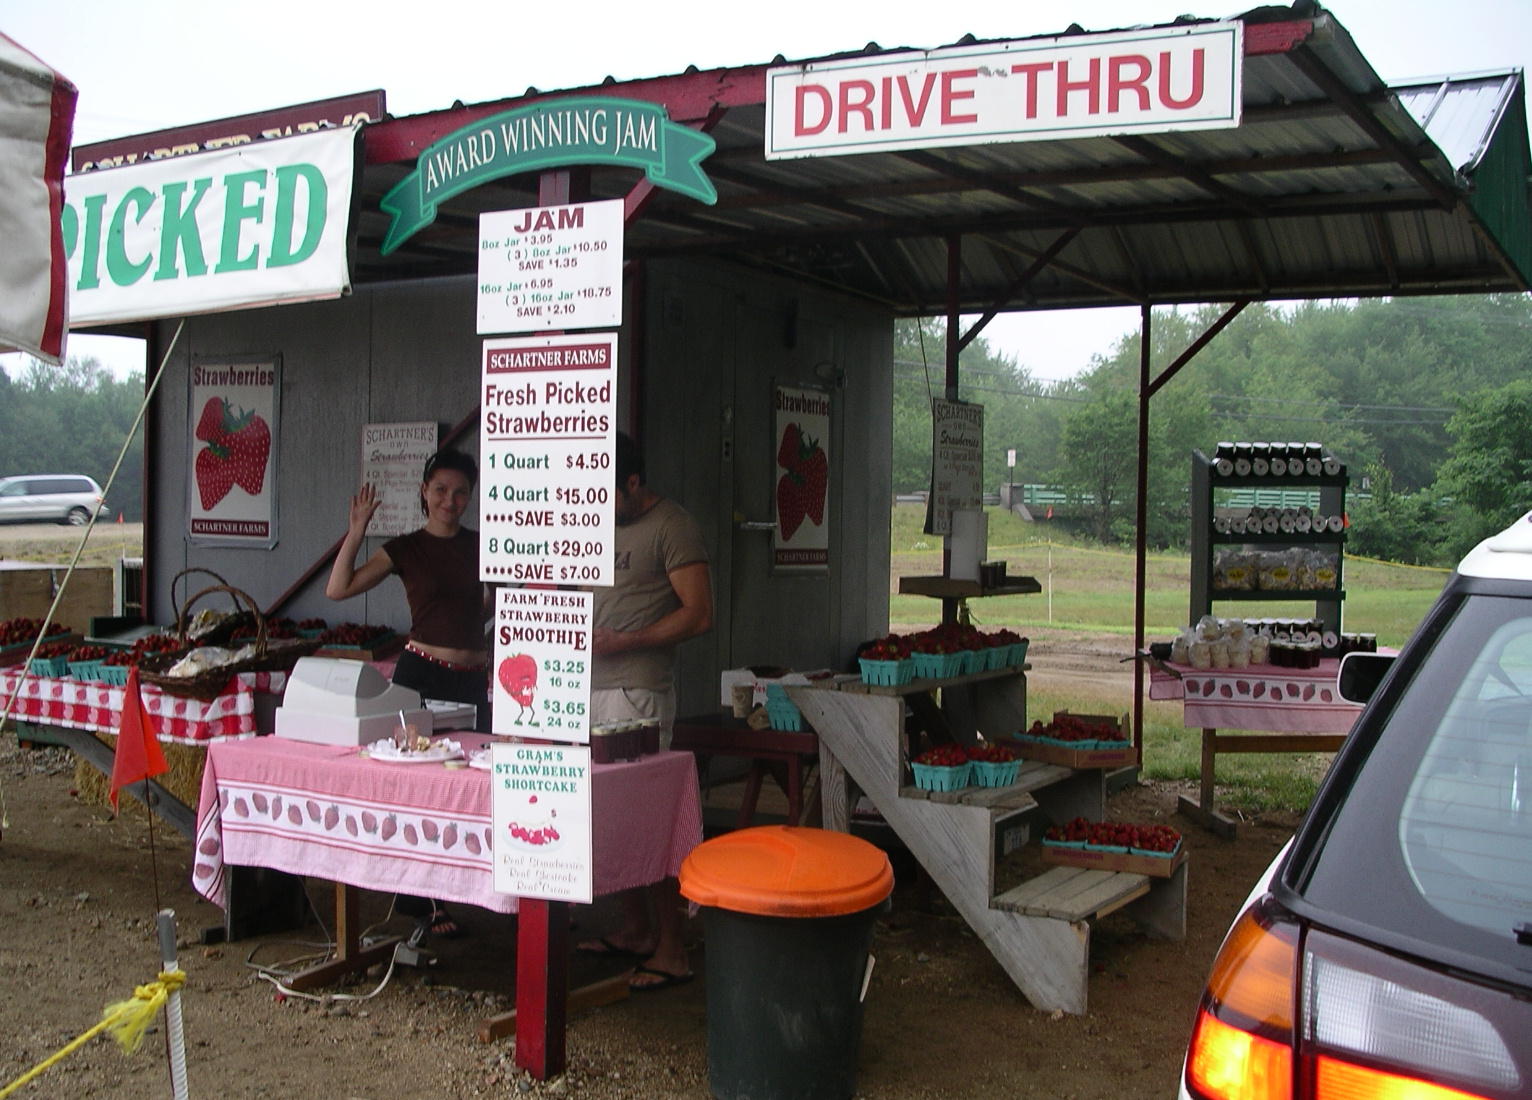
(801, 540)
(233, 483)
(1126, 82)
(542, 664)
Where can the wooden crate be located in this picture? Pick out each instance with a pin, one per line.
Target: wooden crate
(1155, 866)
(1081, 758)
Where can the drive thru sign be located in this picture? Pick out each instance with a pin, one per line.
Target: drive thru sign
(1164, 78)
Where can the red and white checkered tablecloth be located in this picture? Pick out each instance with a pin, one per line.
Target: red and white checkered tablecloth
(87, 705)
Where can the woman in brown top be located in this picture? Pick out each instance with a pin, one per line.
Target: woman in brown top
(447, 655)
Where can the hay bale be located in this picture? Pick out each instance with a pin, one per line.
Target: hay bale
(183, 780)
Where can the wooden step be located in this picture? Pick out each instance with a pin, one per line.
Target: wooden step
(1073, 893)
(999, 800)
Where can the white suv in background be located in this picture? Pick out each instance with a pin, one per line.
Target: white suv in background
(48, 498)
(1388, 950)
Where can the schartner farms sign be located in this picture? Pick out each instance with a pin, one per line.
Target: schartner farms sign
(233, 228)
(1163, 78)
(545, 135)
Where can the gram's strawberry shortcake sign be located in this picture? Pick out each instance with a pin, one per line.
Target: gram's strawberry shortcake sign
(540, 805)
(542, 664)
(801, 541)
(233, 479)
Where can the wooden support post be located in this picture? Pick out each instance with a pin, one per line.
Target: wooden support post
(542, 986)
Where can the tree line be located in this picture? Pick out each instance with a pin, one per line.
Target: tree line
(1428, 402)
(72, 419)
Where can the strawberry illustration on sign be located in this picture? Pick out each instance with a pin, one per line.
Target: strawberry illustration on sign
(518, 676)
(802, 489)
(237, 452)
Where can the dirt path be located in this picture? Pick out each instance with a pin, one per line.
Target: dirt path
(77, 901)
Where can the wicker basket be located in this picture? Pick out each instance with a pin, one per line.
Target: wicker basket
(210, 683)
(219, 632)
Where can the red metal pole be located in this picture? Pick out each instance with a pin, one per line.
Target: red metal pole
(1141, 518)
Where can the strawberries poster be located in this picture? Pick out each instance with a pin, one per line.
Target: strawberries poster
(233, 414)
(801, 541)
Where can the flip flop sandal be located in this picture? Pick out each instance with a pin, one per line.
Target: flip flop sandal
(667, 979)
(603, 948)
(442, 925)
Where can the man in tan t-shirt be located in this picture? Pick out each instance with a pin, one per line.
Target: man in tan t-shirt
(662, 595)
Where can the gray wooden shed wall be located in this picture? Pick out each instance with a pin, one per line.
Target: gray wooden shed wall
(717, 337)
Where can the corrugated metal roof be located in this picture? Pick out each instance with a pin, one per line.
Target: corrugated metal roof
(1333, 185)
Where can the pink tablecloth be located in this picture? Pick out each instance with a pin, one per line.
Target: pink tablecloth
(86, 705)
(1261, 697)
(419, 828)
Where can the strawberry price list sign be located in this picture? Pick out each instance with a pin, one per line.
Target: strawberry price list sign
(551, 267)
(801, 540)
(233, 492)
(957, 462)
(546, 481)
(394, 457)
(542, 664)
(540, 812)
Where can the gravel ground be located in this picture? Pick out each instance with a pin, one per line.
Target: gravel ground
(79, 890)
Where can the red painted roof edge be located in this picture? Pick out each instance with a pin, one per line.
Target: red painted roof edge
(687, 97)
(1268, 38)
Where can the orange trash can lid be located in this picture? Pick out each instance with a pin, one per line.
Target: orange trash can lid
(785, 871)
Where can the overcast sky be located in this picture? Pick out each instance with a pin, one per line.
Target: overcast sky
(144, 65)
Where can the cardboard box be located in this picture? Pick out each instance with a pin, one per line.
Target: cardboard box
(1156, 866)
(731, 676)
(1081, 758)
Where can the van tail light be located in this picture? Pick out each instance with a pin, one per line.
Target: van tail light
(1242, 1042)
(1313, 1016)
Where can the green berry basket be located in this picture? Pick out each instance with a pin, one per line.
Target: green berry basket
(929, 777)
(85, 670)
(991, 773)
(935, 666)
(116, 675)
(52, 667)
(887, 673)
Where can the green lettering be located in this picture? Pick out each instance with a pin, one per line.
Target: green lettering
(125, 272)
(90, 262)
(237, 211)
(179, 235)
(282, 250)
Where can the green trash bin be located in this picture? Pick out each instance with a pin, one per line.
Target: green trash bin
(788, 915)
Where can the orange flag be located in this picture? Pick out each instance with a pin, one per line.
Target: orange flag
(138, 745)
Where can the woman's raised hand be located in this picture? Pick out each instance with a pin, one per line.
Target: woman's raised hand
(363, 505)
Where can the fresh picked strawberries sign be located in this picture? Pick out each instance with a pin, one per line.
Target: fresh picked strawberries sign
(802, 493)
(233, 476)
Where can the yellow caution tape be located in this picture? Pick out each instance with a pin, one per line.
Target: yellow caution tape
(126, 1020)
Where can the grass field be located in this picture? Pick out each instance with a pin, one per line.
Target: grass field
(1089, 589)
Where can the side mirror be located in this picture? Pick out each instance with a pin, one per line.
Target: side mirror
(1360, 674)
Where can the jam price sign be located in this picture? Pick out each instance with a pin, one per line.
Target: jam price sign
(542, 664)
(546, 483)
(551, 267)
(540, 810)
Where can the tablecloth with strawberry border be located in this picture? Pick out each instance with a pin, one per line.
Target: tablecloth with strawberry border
(1258, 697)
(89, 705)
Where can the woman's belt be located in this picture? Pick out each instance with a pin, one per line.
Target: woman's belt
(452, 666)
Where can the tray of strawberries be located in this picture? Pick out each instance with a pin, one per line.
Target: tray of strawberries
(18, 634)
(1142, 848)
(359, 642)
(1077, 741)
